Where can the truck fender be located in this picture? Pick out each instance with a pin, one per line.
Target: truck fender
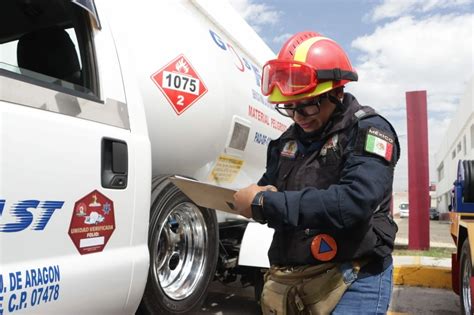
(255, 244)
(469, 229)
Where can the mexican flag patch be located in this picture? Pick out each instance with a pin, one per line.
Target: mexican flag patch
(379, 143)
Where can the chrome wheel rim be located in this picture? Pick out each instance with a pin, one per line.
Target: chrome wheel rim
(180, 251)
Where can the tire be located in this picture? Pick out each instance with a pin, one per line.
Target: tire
(183, 244)
(464, 279)
(468, 191)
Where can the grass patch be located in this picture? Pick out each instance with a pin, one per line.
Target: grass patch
(436, 252)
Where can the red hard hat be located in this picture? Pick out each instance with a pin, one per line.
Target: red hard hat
(308, 65)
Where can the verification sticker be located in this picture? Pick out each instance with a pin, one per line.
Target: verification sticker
(226, 169)
(92, 223)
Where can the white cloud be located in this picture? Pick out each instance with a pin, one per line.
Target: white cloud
(280, 39)
(396, 8)
(256, 14)
(433, 54)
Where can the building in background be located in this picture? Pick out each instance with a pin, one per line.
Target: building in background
(457, 144)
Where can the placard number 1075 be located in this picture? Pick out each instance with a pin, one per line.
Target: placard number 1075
(180, 82)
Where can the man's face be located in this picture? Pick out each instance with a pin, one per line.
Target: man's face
(311, 114)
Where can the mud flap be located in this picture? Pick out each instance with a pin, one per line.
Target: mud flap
(471, 281)
(455, 273)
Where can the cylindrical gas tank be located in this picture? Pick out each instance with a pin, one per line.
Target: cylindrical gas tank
(200, 82)
(196, 66)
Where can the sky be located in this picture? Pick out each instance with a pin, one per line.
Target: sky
(395, 45)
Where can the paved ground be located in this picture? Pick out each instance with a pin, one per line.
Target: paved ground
(224, 300)
(230, 300)
(420, 301)
(439, 233)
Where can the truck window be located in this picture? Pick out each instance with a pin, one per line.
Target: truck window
(48, 43)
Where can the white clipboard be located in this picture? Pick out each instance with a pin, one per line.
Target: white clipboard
(206, 195)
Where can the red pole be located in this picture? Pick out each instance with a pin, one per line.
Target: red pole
(418, 175)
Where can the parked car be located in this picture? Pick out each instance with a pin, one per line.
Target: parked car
(434, 214)
(404, 212)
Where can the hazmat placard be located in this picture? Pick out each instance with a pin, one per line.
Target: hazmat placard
(180, 84)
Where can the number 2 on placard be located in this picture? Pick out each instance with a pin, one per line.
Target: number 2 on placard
(180, 100)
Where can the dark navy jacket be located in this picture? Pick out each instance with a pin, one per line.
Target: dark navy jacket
(330, 184)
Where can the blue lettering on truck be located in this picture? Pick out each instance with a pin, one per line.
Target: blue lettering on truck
(27, 213)
(28, 288)
(242, 62)
(1, 294)
(261, 138)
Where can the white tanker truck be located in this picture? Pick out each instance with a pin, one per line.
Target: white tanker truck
(101, 101)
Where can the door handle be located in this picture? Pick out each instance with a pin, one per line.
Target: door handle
(114, 164)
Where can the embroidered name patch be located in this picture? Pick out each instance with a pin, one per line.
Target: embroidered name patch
(289, 150)
(379, 143)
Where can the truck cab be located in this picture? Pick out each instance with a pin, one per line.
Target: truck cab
(75, 166)
(100, 103)
(462, 231)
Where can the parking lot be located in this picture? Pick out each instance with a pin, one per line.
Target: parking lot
(439, 233)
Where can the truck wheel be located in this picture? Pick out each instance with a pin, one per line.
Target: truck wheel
(465, 279)
(468, 191)
(183, 245)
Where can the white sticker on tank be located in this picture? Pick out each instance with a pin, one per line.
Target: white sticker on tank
(180, 82)
(226, 169)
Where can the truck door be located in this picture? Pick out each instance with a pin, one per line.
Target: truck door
(68, 231)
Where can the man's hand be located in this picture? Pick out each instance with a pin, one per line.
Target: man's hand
(243, 198)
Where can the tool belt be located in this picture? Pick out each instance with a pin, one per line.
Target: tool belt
(306, 289)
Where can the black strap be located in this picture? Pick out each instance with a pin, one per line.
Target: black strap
(336, 74)
(335, 100)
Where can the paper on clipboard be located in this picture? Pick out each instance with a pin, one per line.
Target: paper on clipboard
(206, 195)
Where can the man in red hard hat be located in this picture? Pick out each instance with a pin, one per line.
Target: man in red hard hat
(327, 188)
